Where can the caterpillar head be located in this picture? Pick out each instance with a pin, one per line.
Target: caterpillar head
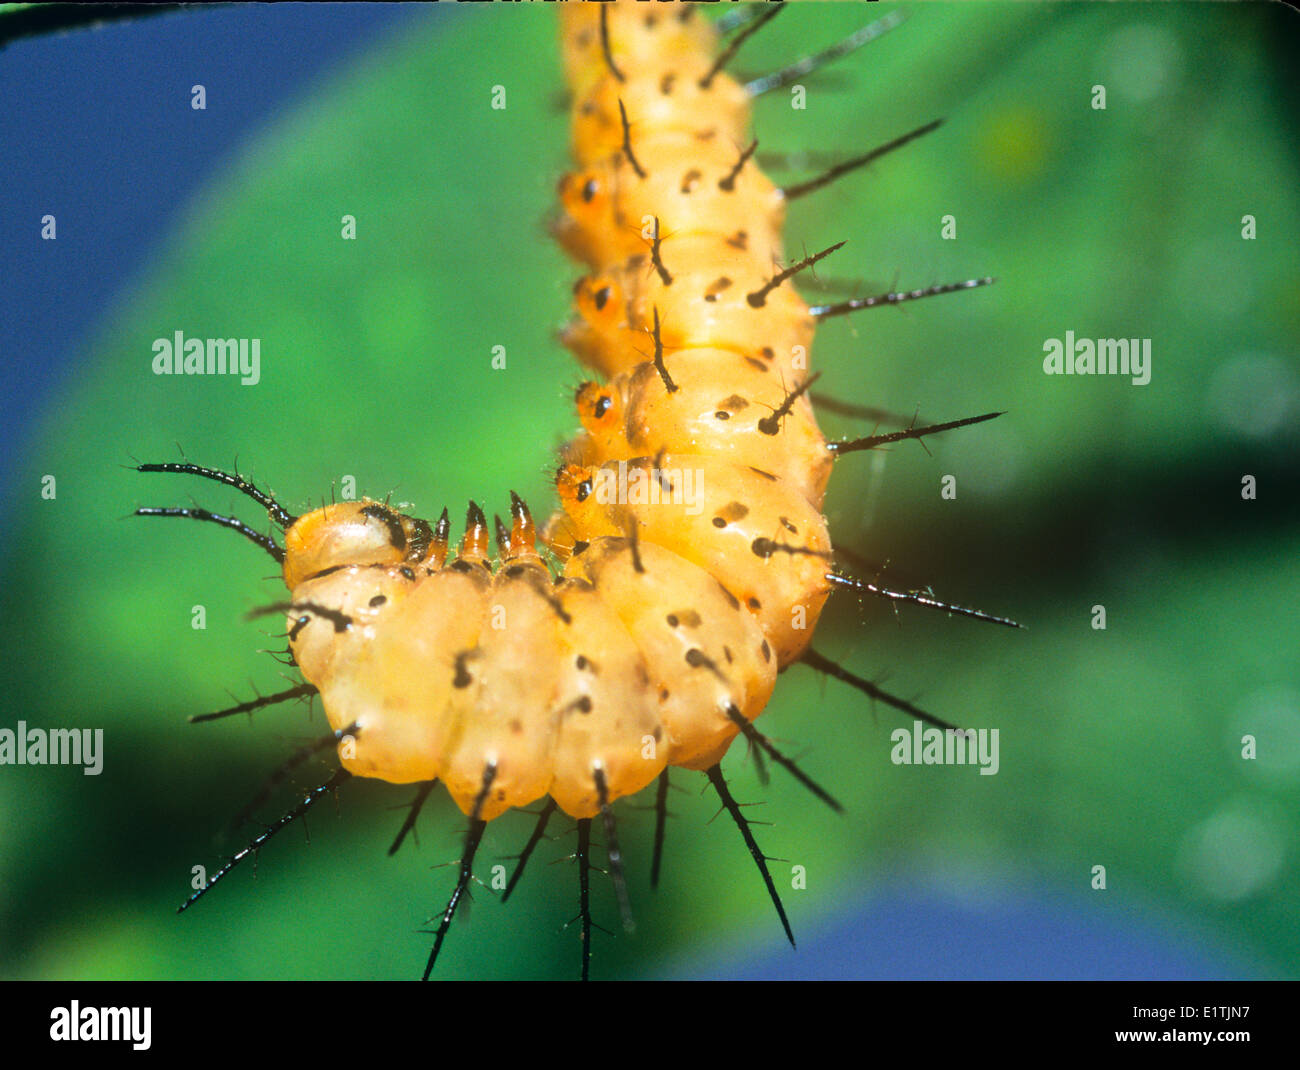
(351, 533)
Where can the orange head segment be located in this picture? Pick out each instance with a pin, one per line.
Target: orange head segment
(353, 533)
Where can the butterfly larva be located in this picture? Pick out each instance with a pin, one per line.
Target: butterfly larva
(694, 558)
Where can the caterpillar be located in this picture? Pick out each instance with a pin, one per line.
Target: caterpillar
(641, 629)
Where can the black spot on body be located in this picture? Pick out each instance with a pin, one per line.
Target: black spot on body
(462, 679)
(722, 414)
(719, 522)
(460, 565)
(515, 571)
(407, 573)
(766, 650)
(378, 600)
(717, 288)
(697, 659)
(754, 603)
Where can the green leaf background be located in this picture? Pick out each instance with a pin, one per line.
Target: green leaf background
(1120, 747)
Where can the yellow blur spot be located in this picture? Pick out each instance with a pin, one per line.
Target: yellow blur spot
(1011, 145)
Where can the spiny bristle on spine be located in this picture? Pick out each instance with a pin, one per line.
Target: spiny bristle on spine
(277, 512)
(787, 75)
(299, 691)
(839, 170)
(233, 523)
(872, 441)
(627, 141)
(896, 298)
(836, 671)
(915, 598)
(308, 801)
(771, 424)
(294, 760)
(413, 812)
(724, 57)
(539, 830)
(473, 836)
(728, 183)
(758, 298)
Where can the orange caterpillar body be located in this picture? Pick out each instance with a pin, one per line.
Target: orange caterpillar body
(671, 617)
(694, 558)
